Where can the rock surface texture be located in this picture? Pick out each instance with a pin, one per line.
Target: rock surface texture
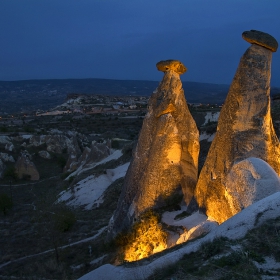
(165, 159)
(95, 153)
(260, 38)
(249, 181)
(25, 167)
(244, 130)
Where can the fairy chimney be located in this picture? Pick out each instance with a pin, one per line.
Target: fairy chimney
(244, 129)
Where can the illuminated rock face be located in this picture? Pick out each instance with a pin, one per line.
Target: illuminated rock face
(166, 156)
(244, 130)
(249, 181)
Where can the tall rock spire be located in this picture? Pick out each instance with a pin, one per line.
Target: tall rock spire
(165, 159)
(244, 128)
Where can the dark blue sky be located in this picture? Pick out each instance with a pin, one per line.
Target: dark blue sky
(124, 39)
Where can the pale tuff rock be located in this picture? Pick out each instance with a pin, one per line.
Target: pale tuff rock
(45, 154)
(165, 159)
(95, 153)
(244, 130)
(171, 65)
(260, 38)
(249, 181)
(9, 147)
(98, 151)
(24, 145)
(84, 157)
(24, 167)
(6, 158)
(211, 117)
(56, 143)
(5, 140)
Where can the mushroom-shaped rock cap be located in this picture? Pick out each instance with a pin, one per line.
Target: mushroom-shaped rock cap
(175, 65)
(260, 38)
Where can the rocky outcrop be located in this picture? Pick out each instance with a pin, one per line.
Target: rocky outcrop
(249, 181)
(165, 159)
(98, 151)
(56, 143)
(5, 140)
(95, 153)
(71, 164)
(9, 147)
(260, 38)
(6, 157)
(244, 130)
(45, 154)
(25, 168)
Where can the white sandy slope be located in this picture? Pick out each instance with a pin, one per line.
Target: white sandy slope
(206, 136)
(114, 155)
(234, 228)
(89, 191)
(211, 117)
(195, 225)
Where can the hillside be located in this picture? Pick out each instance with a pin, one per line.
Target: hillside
(29, 95)
(56, 227)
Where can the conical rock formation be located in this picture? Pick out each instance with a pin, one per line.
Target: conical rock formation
(244, 129)
(165, 159)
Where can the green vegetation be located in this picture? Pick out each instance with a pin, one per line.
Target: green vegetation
(10, 173)
(28, 129)
(224, 259)
(6, 203)
(115, 144)
(4, 129)
(145, 236)
(61, 160)
(64, 219)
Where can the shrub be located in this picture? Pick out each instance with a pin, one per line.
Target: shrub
(10, 173)
(3, 129)
(213, 248)
(61, 161)
(64, 220)
(29, 129)
(115, 144)
(145, 237)
(5, 203)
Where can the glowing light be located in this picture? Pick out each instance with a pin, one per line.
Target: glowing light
(146, 238)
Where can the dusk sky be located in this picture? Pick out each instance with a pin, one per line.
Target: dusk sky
(43, 39)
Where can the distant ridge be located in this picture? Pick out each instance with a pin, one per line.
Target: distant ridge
(25, 95)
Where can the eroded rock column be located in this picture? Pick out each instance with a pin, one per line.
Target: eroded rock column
(165, 159)
(244, 128)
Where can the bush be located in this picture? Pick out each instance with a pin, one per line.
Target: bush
(29, 129)
(64, 220)
(3, 129)
(5, 203)
(61, 161)
(10, 173)
(115, 144)
(145, 236)
(213, 248)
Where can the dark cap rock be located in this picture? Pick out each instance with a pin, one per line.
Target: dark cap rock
(260, 38)
(175, 65)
